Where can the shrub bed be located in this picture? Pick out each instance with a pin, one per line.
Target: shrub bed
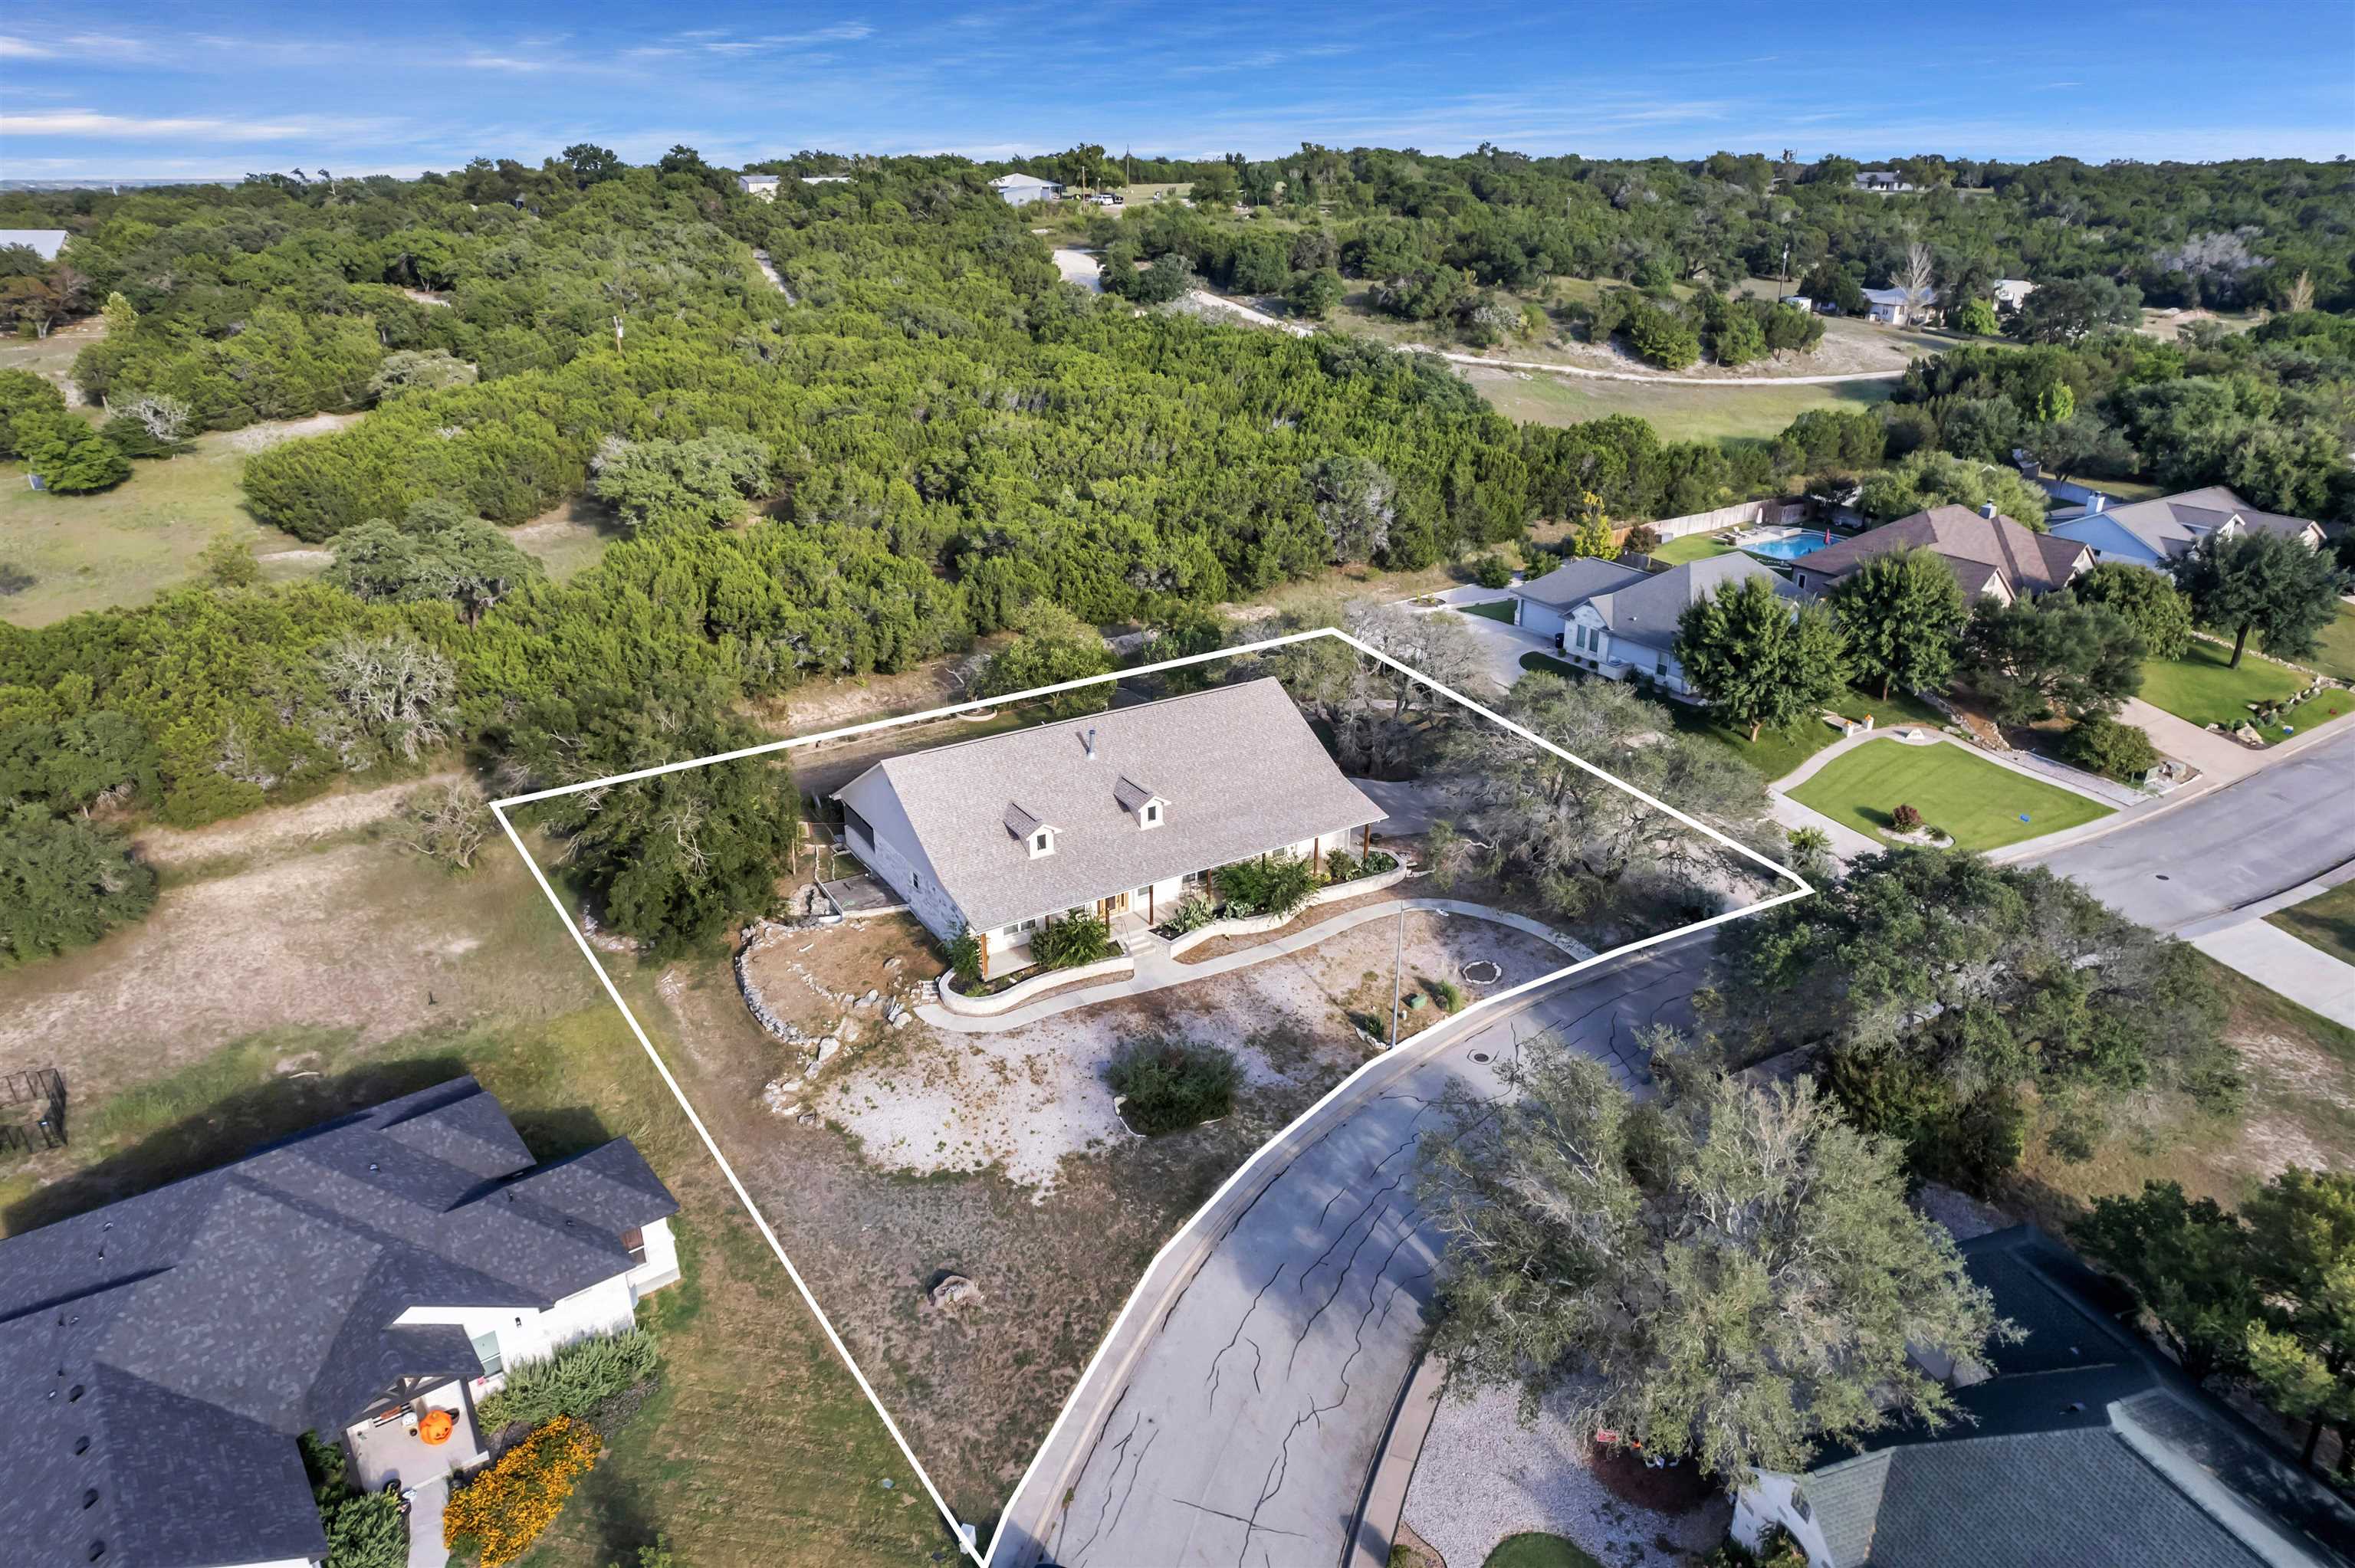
(572, 1381)
(501, 1513)
(1169, 1085)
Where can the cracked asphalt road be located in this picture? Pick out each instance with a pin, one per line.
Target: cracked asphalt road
(1244, 1414)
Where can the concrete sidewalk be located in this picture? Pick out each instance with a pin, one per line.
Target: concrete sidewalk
(2280, 962)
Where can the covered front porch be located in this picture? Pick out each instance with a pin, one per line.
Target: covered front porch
(423, 1434)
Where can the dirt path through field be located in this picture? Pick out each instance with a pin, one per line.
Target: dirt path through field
(280, 829)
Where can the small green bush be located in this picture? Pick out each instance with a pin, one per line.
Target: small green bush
(964, 952)
(1377, 862)
(572, 1381)
(1446, 992)
(1277, 884)
(1169, 1085)
(2100, 744)
(1341, 867)
(1070, 941)
(1193, 913)
(1492, 571)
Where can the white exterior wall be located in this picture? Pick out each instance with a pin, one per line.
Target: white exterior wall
(924, 897)
(1604, 649)
(1543, 619)
(528, 1334)
(661, 1266)
(1773, 1499)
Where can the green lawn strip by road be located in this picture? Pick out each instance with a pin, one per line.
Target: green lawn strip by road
(1977, 802)
(1492, 610)
(2330, 703)
(2326, 921)
(1691, 547)
(1535, 1548)
(1777, 751)
(2204, 688)
(2334, 652)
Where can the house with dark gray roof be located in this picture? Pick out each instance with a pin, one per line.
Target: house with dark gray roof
(1991, 556)
(2157, 533)
(367, 1280)
(1119, 814)
(1624, 626)
(1542, 604)
(2078, 1445)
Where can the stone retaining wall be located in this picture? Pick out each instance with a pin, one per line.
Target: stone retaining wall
(1253, 925)
(1014, 996)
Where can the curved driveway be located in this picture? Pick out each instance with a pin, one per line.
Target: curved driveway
(1232, 1419)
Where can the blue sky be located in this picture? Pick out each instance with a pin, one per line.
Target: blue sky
(98, 89)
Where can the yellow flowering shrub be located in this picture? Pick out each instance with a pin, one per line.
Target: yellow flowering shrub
(501, 1513)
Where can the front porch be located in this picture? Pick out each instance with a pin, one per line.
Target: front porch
(387, 1448)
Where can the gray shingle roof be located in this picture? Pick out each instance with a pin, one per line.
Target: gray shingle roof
(191, 1333)
(1647, 611)
(2170, 524)
(1241, 769)
(1575, 581)
(2082, 1447)
(2031, 562)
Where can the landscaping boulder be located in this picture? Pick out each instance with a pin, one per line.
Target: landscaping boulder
(954, 1291)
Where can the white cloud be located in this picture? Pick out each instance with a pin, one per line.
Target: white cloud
(89, 122)
(23, 50)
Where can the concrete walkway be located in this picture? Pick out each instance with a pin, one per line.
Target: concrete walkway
(2218, 757)
(1156, 970)
(425, 1505)
(2280, 962)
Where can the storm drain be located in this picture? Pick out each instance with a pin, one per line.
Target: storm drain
(1481, 1056)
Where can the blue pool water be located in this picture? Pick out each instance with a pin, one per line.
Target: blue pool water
(1789, 549)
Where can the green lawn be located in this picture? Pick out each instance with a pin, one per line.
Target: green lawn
(2203, 687)
(1546, 663)
(1536, 1549)
(1776, 752)
(1680, 413)
(2326, 921)
(124, 546)
(1978, 802)
(2334, 654)
(1691, 547)
(1493, 610)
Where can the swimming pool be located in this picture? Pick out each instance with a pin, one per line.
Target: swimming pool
(1787, 547)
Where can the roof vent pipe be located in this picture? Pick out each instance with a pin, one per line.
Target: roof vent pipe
(1088, 741)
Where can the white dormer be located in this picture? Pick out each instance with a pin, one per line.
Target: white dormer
(1149, 808)
(1038, 838)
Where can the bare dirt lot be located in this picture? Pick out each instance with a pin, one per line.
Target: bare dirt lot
(1000, 1156)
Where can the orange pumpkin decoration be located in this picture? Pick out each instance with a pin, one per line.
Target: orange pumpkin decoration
(436, 1426)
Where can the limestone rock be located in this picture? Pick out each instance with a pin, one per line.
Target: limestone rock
(826, 1049)
(955, 1291)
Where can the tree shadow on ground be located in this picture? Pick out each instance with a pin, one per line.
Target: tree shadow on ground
(251, 1118)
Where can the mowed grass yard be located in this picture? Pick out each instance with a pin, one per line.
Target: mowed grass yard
(1691, 547)
(126, 545)
(2203, 687)
(2326, 921)
(1777, 752)
(1680, 413)
(1975, 800)
(2334, 652)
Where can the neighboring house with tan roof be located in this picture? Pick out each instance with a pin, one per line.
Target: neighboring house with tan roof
(2158, 532)
(2075, 1444)
(1992, 556)
(1119, 814)
(1622, 623)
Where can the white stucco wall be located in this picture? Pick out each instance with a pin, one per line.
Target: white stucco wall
(528, 1334)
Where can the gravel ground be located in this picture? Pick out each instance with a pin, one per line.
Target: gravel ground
(1484, 1475)
(1023, 1099)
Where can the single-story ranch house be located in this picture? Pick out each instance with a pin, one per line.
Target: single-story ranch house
(1019, 189)
(1119, 814)
(162, 1355)
(1991, 555)
(2078, 1445)
(2157, 533)
(1620, 622)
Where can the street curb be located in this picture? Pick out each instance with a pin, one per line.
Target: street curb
(1381, 1507)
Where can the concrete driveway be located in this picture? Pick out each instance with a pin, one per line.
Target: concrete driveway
(1236, 1409)
(1501, 647)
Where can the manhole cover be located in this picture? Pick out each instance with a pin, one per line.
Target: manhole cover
(1484, 972)
(1480, 1056)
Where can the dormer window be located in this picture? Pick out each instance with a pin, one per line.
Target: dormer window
(1042, 843)
(1037, 837)
(1140, 802)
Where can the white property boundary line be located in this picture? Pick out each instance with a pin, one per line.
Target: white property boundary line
(965, 1533)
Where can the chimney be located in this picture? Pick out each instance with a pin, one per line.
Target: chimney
(2100, 501)
(1088, 741)
(1987, 509)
